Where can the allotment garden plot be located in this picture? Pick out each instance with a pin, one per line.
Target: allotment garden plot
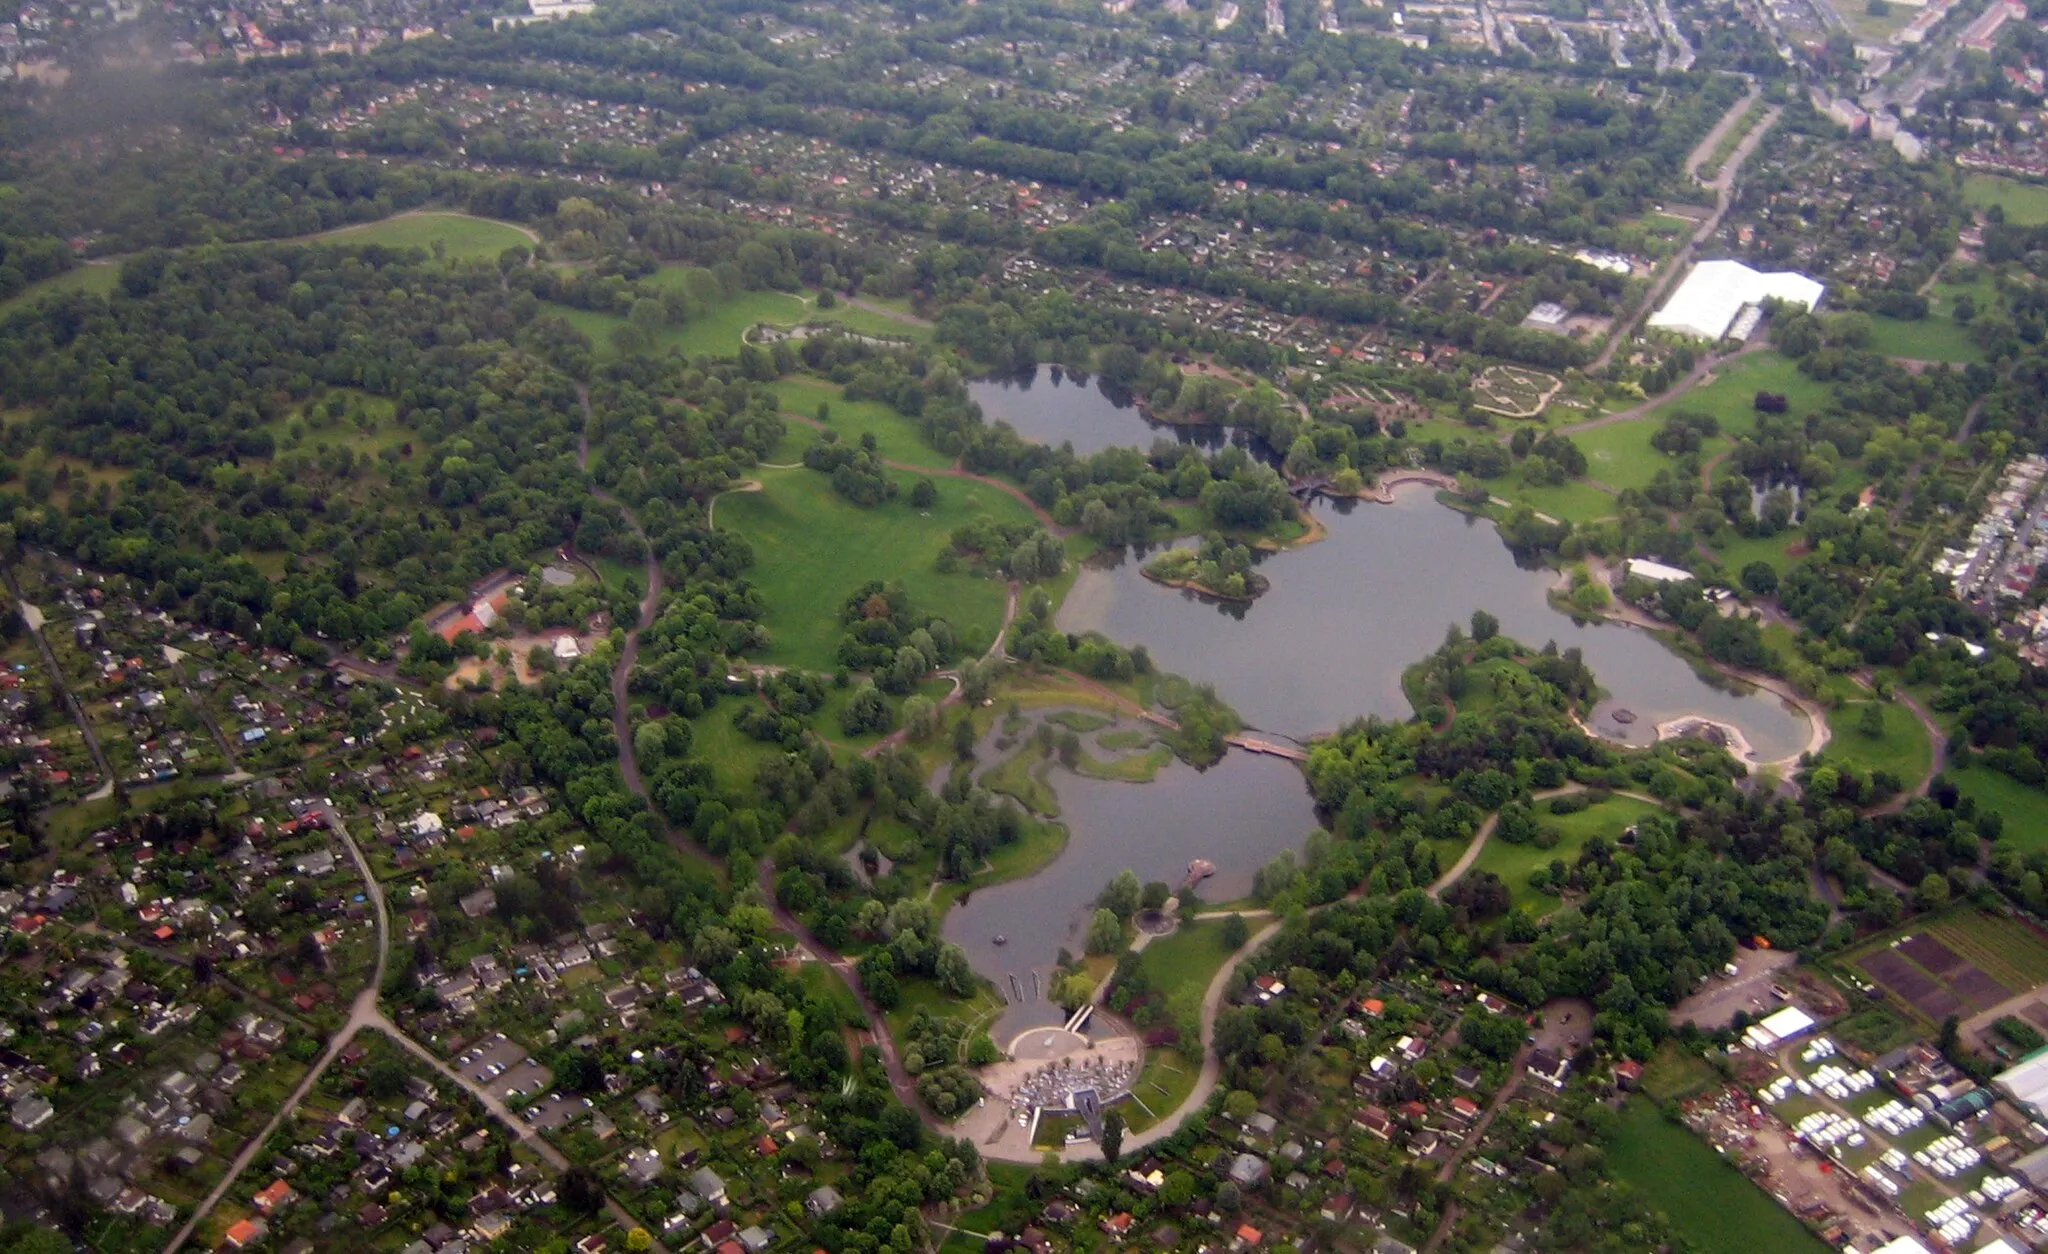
(1960, 965)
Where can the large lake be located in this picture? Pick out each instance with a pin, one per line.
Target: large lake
(1047, 405)
(1327, 644)
(1347, 614)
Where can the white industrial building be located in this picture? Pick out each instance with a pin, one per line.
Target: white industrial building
(2026, 1084)
(1715, 294)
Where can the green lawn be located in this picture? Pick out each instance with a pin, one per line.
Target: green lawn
(1711, 1204)
(814, 549)
(717, 333)
(1737, 550)
(1513, 863)
(96, 279)
(2025, 809)
(1731, 397)
(897, 437)
(1902, 749)
(2026, 204)
(1180, 966)
(1621, 455)
(461, 235)
(1573, 501)
(1933, 338)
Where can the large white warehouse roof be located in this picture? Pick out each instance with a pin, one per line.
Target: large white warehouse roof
(1705, 304)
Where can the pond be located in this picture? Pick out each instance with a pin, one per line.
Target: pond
(1047, 405)
(1238, 815)
(1347, 614)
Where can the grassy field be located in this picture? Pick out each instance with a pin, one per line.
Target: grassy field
(2025, 809)
(1676, 1072)
(896, 436)
(1513, 863)
(1180, 966)
(1731, 397)
(1621, 455)
(96, 279)
(717, 333)
(1737, 551)
(815, 549)
(2026, 204)
(462, 236)
(1574, 500)
(1933, 338)
(1903, 749)
(1716, 1208)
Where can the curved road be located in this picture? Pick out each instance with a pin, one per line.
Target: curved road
(365, 1013)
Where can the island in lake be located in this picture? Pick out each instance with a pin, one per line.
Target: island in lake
(1217, 569)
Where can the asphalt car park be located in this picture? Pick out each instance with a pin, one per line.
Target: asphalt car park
(504, 1067)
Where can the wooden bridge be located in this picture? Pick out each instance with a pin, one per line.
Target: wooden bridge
(1252, 744)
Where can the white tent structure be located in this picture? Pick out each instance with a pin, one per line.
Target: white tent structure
(1716, 292)
(1775, 1029)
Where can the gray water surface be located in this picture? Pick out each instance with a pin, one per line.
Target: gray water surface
(1238, 814)
(1047, 406)
(1345, 615)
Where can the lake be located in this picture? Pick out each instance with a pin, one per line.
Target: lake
(1345, 615)
(1238, 814)
(1048, 406)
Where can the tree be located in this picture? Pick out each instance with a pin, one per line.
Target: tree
(1240, 1105)
(963, 738)
(639, 1239)
(1073, 990)
(1933, 892)
(1870, 722)
(582, 1192)
(1235, 932)
(1106, 932)
(924, 494)
(1112, 1135)
(1123, 895)
(1760, 578)
(1484, 626)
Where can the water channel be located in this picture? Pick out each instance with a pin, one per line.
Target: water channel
(1325, 645)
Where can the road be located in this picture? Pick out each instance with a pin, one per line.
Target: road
(1472, 1138)
(1724, 196)
(364, 1012)
(33, 617)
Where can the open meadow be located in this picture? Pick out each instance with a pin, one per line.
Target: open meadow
(1715, 1207)
(813, 549)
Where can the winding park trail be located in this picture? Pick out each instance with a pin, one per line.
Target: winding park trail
(1937, 746)
(622, 672)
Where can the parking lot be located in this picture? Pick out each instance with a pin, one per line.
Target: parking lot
(503, 1067)
(552, 1111)
(1718, 1001)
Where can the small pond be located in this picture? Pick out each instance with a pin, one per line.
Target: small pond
(1048, 405)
